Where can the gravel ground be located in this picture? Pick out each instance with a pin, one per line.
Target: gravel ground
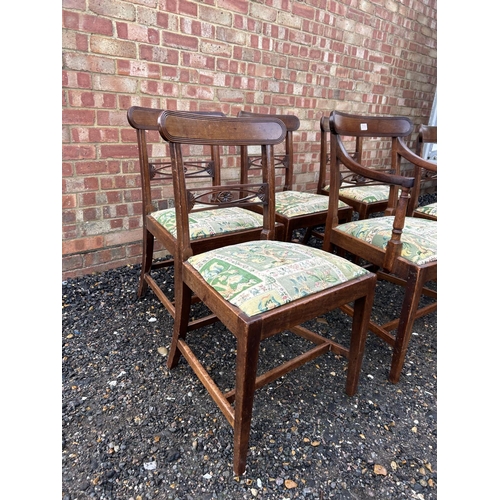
(133, 430)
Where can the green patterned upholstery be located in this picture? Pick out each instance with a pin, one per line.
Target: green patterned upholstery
(211, 222)
(430, 209)
(419, 236)
(295, 203)
(366, 194)
(261, 275)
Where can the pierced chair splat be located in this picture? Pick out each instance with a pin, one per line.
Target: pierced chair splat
(257, 288)
(400, 249)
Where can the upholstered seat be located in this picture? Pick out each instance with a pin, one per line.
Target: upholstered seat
(261, 275)
(210, 223)
(366, 194)
(430, 209)
(295, 203)
(419, 236)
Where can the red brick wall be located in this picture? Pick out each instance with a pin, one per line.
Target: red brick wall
(304, 57)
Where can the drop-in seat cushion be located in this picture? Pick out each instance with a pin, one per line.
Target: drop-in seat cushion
(419, 236)
(211, 222)
(261, 275)
(430, 209)
(294, 203)
(366, 194)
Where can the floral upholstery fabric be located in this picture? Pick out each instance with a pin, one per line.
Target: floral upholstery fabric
(261, 275)
(366, 194)
(295, 203)
(419, 236)
(430, 209)
(211, 222)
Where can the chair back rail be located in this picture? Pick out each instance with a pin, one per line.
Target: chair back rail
(370, 126)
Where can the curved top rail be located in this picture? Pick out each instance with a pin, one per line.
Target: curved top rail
(370, 126)
(182, 127)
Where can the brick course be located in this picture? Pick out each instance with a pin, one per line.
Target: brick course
(281, 56)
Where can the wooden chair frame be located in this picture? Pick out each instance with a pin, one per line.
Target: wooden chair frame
(348, 179)
(236, 405)
(387, 263)
(145, 121)
(287, 162)
(427, 134)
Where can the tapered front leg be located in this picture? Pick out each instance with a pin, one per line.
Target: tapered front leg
(246, 371)
(360, 320)
(181, 318)
(411, 300)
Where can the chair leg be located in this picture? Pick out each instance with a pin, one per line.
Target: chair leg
(147, 260)
(363, 212)
(361, 318)
(246, 371)
(347, 217)
(307, 235)
(414, 285)
(181, 319)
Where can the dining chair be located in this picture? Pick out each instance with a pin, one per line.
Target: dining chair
(427, 134)
(294, 209)
(365, 196)
(207, 229)
(256, 288)
(399, 248)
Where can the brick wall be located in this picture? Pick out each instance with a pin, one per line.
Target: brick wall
(304, 57)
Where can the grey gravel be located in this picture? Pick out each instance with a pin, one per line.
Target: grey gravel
(133, 430)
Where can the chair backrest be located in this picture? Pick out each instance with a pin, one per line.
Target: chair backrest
(285, 161)
(356, 147)
(324, 160)
(395, 128)
(181, 129)
(427, 134)
(145, 121)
